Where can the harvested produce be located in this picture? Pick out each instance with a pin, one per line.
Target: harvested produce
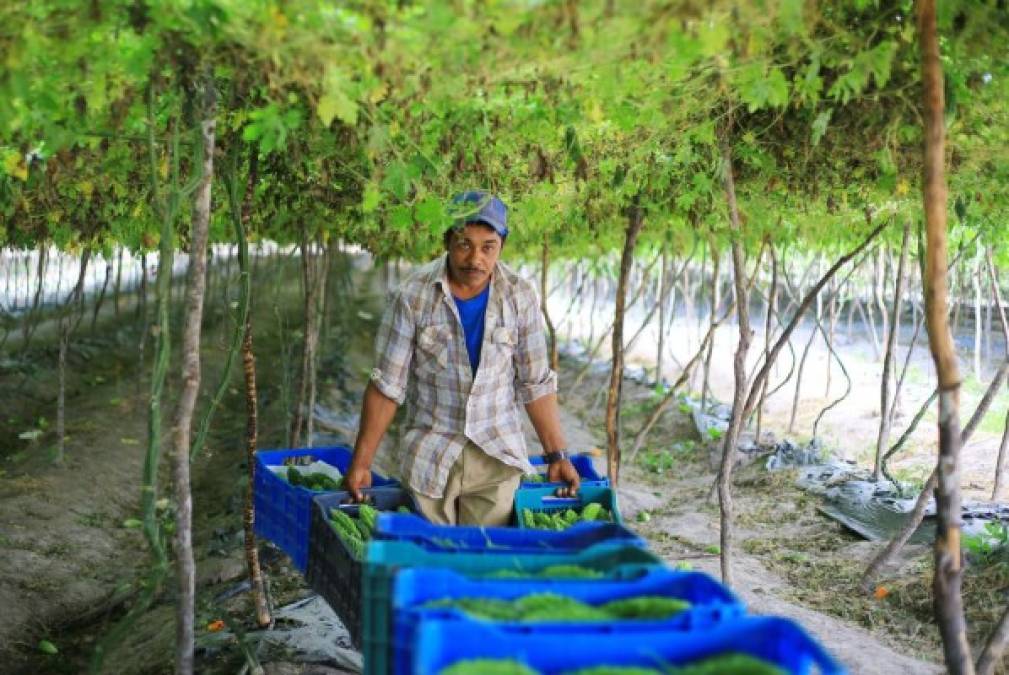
(645, 607)
(355, 531)
(724, 664)
(551, 572)
(554, 607)
(488, 667)
(534, 478)
(561, 520)
(317, 481)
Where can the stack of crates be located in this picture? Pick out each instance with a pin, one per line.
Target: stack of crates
(400, 596)
(283, 511)
(414, 623)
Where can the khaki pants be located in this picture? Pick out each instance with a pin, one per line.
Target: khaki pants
(480, 491)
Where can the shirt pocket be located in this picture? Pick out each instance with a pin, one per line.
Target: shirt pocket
(503, 340)
(432, 349)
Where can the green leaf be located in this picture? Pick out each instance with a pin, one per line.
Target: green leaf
(431, 213)
(336, 105)
(47, 647)
(133, 524)
(371, 198)
(397, 180)
(820, 125)
(790, 16)
(401, 218)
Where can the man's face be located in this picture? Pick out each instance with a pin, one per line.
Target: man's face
(472, 253)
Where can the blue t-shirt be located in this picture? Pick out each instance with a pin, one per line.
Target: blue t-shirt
(471, 313)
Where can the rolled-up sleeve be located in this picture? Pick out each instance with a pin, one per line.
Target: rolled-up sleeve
(533, 376)
(394, 349)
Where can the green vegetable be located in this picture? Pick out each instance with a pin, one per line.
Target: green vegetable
(534, 478)
(404, 509)
(616, 670)
(317, 481)
(554, 607)
(369, 516)
(488, 667)
(592, 511)
(570, 572)
(47, 647)
(730, 664)
(355, 531)
(491, 609)
(561, 520)
(551, 572)
(725, 664)
(646, 607)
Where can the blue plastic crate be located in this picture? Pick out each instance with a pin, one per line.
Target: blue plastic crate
(543, 499)
(283, 511)
(442, 642)
(396, 526)
(711, 602)
(386, 558)
(583, 465)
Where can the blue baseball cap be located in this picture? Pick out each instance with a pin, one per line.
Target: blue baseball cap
(477, 206)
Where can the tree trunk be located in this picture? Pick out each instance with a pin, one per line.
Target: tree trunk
(66, 328)
(948, 569)
(771, 299)
(544, 279)
(635, 219)
(142, 302)
(1000, 462)
(185, 565)
(878, 286)
(118, 284)
(918, 318)
(313, 367)
(997, 294)
(832, 323)
(884, 388)
(715, 301)
(739, 369)
(263, 617)
(798, 382)
(976, 282)
(31, 318)
(101, 295)
(307, 342)
(665, 285)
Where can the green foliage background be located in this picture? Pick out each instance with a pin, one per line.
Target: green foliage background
(367, 116)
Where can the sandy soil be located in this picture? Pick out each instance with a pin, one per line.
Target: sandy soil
(682, 527)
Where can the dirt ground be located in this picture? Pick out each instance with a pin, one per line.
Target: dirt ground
(776, 521)
(69, 561)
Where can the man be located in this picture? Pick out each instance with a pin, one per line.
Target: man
(462, 341)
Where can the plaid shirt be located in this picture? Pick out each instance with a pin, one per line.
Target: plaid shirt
(420, 357)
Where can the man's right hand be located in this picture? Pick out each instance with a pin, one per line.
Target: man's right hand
(357, 479)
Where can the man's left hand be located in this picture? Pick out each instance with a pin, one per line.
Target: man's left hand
(564, 471)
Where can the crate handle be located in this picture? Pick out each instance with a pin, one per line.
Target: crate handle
(555, 500)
